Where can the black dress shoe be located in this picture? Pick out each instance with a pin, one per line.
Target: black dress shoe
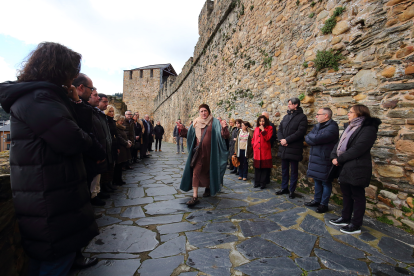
(339, 221)
(292, 195)
(233, 172)
(84, 262)
(351, 229)
(313, 203)
(322, 209)
(256, 186)
(263, 187)
(282, 191)
(128, 168)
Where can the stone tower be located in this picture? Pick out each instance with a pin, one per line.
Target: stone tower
(142, 85)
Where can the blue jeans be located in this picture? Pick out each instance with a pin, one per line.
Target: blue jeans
(294, 165)
(59, 267)
(180, 141)
(244, 167)
(323, 191)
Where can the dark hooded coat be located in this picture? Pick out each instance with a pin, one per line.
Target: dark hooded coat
(355, 164)
(48, 177)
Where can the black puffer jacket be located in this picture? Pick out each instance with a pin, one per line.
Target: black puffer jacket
(322, 138)
(355, 164)
(292, 128)
(48, 177)
(158, 131)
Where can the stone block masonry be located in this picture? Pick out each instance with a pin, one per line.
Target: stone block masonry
(140, 89)
(253, 55)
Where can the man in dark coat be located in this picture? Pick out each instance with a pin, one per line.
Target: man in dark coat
(94, 163)
(48, 177)
(179, 140)
(138, 127)
(105, 179)
(146, 137)
(291, 134)
(130, 132)
(322, 140)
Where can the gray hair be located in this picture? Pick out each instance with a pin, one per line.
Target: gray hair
(128, 111)
(294, 101)
(119, 117)
(327, 111)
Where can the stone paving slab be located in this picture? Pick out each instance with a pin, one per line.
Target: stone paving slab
(147, 229)
(122, 238)
(170, 248)
(112, 267)
(160, 220)
(278, 267)
(211, 261)
(160, 267)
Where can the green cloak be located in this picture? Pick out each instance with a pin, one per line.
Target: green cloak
(218, 159)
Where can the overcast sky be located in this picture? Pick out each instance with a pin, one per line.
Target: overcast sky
(112, 36)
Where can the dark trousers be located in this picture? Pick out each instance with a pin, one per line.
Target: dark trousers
(353, 202)
(59, 267)
(118, 172)
(134, 153)
(150, 141)
(144, 147)
(260, 176)
(158, 142)
(243, 168)
(294, 166)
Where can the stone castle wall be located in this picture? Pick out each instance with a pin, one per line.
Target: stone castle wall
(139, 93)
(253, 55)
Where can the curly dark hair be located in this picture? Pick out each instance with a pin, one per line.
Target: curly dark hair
(266, 124)
(51, 62)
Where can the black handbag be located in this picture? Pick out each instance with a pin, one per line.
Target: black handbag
(196, 150)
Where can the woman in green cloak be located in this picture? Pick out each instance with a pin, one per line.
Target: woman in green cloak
(206, 168)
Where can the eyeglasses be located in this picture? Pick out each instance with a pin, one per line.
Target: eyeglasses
(320, 114)
(349, 112)
(91, 88)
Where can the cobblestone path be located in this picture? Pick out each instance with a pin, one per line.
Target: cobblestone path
(146, 229)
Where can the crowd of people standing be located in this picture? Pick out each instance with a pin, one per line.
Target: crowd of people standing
(71, 155)
(67, 157)
(346, 157)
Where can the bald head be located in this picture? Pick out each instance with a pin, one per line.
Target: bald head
(264, 113)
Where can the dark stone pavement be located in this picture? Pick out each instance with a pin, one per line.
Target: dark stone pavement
(147, 229)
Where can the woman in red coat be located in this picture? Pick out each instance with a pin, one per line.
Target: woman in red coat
(262, 152)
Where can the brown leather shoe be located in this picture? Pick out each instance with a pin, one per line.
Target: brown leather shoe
(207, 192)
(193, 201)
